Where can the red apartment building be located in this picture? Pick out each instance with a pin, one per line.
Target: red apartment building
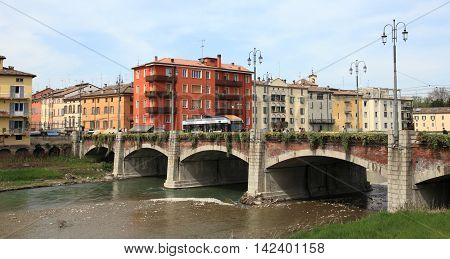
(202, 88)
(36, 123)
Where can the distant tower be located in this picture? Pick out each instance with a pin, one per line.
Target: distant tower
(312, 78)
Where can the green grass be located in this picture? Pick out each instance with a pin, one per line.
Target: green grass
(29, 174)
(383, 225)
(31, 171)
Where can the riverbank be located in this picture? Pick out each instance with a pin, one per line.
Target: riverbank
(33, 172)
(383, 225)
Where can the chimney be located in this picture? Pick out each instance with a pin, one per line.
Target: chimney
(172, 60)
(1, 61)
(156, 58)
(10, 67)
(232, 63)
(219, 60)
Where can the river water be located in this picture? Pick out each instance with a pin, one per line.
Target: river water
(143, 208)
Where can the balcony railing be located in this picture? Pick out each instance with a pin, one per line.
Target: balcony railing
(233, 97)
(229, 83)
(159, 78)
(10, 96)
(321, 121)
(348, 109)
(18, 131)
(228, 111)
(159, 110)
(158, 94)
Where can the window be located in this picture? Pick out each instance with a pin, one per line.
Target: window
(376, 114)
(19, 80)
(365, 114)
(137, 74)
(196, 104)
(196, 89)
(105, 124)
(291, 111)
(385, 114)
(197, 74)
(302, 111)
(236, 78)
(424, 118)
(302, 120)
(433, 118)
(365, 125)
(184, 72)
(168, 71)
(292, 120)
(137, 119)
(247, 92)
(217, 75)
(265, 120)
(111, 124)
(247, 105)
(137, 104)
(185, 103)
(226, 76)
(247, 121)
(98, 112)
(111, 110)
(18, 107)
(385, 125)
(105, 110)
(208, 104)
(208, 89)
(185, 117)
(365, 103)
(185, 88)
(208, 75)
(302, 100)
(319, 96)
(144, 119)
(167, 118)
(247, 79)
(93, 110)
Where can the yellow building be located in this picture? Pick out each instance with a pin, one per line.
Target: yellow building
(15, 105)
(344, 110)
(432, 119)
(100, 109)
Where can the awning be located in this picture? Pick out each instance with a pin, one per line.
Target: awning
(142, 129)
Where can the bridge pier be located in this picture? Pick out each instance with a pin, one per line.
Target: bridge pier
(118, 166)
(173, 162)
(256, 164)
(76, 143)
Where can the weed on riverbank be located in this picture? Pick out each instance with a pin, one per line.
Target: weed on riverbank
(383, 225)
(29, 172)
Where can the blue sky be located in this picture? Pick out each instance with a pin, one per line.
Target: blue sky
(294, 36)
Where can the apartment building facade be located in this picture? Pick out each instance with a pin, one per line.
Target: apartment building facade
(15, 105)
(61, 109)
(378, 107)
(102, 111)
(320, 109)
(345, 110)
(202, 88)
(281, 106)
(36, 109)
(434, 119)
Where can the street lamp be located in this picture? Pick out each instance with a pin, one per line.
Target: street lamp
(119, 82)
(394, 31)
(254, 52)
(267, 77)
(356, 65)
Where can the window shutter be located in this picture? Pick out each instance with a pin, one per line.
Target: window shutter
(12, 91)
(25, 109)
(21, 91)
(11, 126)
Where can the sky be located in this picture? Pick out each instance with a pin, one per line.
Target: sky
(295, 37)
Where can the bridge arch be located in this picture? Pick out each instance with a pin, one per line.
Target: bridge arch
(367, 164)
(100, 154)
(237, 153)
(147, 160)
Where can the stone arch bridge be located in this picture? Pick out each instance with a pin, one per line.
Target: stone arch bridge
(416, 175)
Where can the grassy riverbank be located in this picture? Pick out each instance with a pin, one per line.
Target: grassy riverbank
(19, 173)
(405, 224)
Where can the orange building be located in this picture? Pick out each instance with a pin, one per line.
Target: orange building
(202, 88)
(100, 108)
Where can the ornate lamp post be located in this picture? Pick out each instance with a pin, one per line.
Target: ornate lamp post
(356, 65)
(394, 33)
(267, 77)
(254, 52)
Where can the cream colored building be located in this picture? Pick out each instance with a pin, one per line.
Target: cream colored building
(281, 105)
(434, 119)
(15, 105)
(378, 107)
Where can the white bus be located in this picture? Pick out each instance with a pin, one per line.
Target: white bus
(226, 123)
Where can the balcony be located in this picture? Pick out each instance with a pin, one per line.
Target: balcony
(158, 94)
(14, 96)
(159, 110)
(158, 78)
(321, 121)
(231, 97)
(228, 111)
(229, 83)
(348, 109)
(18, 131)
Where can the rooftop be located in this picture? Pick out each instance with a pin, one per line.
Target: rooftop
(432, 110)
(10, 71)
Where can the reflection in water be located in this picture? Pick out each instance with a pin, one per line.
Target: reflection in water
(124, 209)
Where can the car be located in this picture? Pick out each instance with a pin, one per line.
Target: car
(52, 133)
(35, 133)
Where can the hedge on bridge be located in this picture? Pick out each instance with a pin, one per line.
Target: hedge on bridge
(434, 140)
(320, 139)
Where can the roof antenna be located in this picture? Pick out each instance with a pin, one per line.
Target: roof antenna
(203, 46)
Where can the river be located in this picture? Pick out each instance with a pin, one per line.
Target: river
(143, 208)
